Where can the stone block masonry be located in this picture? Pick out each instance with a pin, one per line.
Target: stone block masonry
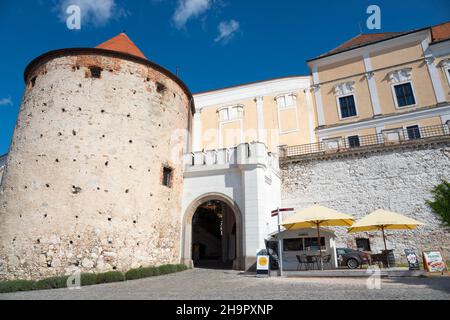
(83, 188)
(399, 180)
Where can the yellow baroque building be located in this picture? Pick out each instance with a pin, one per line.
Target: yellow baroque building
(374, 87)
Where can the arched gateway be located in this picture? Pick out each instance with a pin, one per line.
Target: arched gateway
(230, 193)
(213, 233)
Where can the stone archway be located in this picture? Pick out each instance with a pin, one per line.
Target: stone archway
(186, 246)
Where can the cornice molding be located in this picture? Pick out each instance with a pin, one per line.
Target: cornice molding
(251, 91)
(381, 121)
(393, 43)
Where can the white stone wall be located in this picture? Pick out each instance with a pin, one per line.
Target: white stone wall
(250, 179)
(83, 186)
(399, 181)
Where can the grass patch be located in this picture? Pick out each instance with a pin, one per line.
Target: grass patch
(88, 279)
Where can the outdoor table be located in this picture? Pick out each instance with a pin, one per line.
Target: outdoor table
(316, 259)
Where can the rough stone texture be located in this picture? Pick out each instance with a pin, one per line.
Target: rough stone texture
(2, 167)
(83, 184)
(399, 181)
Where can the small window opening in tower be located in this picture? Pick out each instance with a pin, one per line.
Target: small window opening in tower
(160, 87)
(167, 177)
(96, 72)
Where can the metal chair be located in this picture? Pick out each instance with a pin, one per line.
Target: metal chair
(311, 260)
(326, 260)
(302, 260)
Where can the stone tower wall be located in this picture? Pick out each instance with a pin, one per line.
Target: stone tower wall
(83, 186)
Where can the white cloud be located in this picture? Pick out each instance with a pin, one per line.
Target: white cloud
(6, 102)
(97, 12)
(227, 30)
(187, 9)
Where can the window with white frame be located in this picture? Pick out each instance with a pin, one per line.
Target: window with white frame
(402, 88)
(347, 106)
(345, 96)
(287, 113)
(286, 100)
(404, 95)
(445, 65)
(231, 113)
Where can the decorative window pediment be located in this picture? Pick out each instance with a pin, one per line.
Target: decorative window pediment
(231, 113)
(398, 76)
(445, 63)
(344, 88)
(286, 100)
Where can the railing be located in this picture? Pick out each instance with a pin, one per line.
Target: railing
(244, 153)
(388, 137)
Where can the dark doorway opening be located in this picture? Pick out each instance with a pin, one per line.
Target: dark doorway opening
(214, 236)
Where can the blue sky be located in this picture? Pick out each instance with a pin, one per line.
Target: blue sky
(215, 43)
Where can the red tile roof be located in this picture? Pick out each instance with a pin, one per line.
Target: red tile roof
(362, 39)
(439, 32)
(122, 43)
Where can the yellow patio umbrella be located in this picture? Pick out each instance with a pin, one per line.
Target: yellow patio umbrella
(317, 216)
(384, 220)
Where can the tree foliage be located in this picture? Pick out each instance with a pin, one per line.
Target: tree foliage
(441, 203)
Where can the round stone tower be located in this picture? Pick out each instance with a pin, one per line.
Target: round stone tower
(94, 175)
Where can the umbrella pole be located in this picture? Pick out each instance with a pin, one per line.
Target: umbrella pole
(384, 238)
(320, 247)
(385, 247)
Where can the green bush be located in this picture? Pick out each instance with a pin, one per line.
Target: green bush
(134, 274)
(16, 285)
(168, 268)
(88, 279)
(181, 267)
(151, 271)
(112, 276)
(51, 283)
(140, 273)
(441, 202)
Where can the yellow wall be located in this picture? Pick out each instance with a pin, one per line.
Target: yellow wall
(421, 83)
(341, 70)
(434, 121)
(294, 121)
(398, 56)
(362, 99)
(384, 62)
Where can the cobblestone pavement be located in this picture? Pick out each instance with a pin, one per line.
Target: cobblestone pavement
(219, 284)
